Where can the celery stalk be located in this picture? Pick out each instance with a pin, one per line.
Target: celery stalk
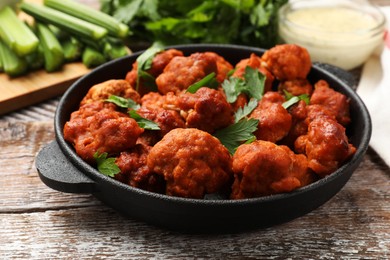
(92, 57)
(52, 49)
(36, 60)
(72, 49)
(13, 65)
(62, 20)
(60, 34)
(114, 50)
(16, 34)
(97, 45)
(91, 15)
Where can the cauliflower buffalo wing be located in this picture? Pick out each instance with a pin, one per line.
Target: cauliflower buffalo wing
(254, 62)
(192, 162)
(335, 102)
(182, 72)
(287, 62)
(293, 144)
(207, 109)
(296, 87)
(97, 127)
(159, 62)
(274, 119)
(326, 144)
(263, 168)
(104, 90)
(135, 172)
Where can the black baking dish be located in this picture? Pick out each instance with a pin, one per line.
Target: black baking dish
(60, 168)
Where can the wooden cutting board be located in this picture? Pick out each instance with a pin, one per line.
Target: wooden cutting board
(16, 93)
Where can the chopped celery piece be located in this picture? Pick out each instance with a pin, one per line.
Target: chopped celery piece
(114, 50)
(13, 65)
(15, 33)
(52, 49)
(65, 21)
(91, 15)
(36, 60)
(92, 57)
(58, 32)
(72, 49)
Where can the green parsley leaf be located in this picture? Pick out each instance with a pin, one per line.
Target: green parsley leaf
(106, 165)
(291, 99)
(143, 122)
(126, 11)
(305, 98)
(234, 135)
(287, 94)
(259, 16)
(144, 61)
(290, 102)
(232, 87)
(123, 102)
(252, 85)
(251, 22)
(208, 81)
(148, 81)
(230, 72)
(246, 110)
(250, 140)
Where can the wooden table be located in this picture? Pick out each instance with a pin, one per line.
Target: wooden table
(40, 223)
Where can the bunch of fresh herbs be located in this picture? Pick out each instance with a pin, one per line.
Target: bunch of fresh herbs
(246, 22)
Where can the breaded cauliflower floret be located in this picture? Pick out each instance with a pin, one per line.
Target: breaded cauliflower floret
(104, 90)
(207, 109)
(193, 163)
(274, 120)
(264, 168)
(160, 60)
(97, 127)
(182, 72)
(288, 61)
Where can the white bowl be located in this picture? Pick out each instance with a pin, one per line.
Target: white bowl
(342, 33)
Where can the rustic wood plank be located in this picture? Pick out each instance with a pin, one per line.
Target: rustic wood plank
(43, 112)
(38, 222)
(21, 193)
(22, 190)
(20, 142)
(98, 232)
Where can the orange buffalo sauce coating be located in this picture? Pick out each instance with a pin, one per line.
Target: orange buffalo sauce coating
(264, 168)
(294, 146)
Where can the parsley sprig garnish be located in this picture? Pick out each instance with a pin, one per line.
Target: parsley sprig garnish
(242, 130)
(291, 99)
(106, 165)
(123, 102)
(133, 106)
(246, 110)
(236, 134)
(207, 81)
(143, 122)
(144, 63)
(252, 85)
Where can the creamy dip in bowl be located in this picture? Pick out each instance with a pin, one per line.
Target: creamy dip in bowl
(341, 33)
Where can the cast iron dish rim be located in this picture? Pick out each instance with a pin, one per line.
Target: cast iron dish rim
(97, 177)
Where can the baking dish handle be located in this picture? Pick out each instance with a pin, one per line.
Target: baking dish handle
(58, 173)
